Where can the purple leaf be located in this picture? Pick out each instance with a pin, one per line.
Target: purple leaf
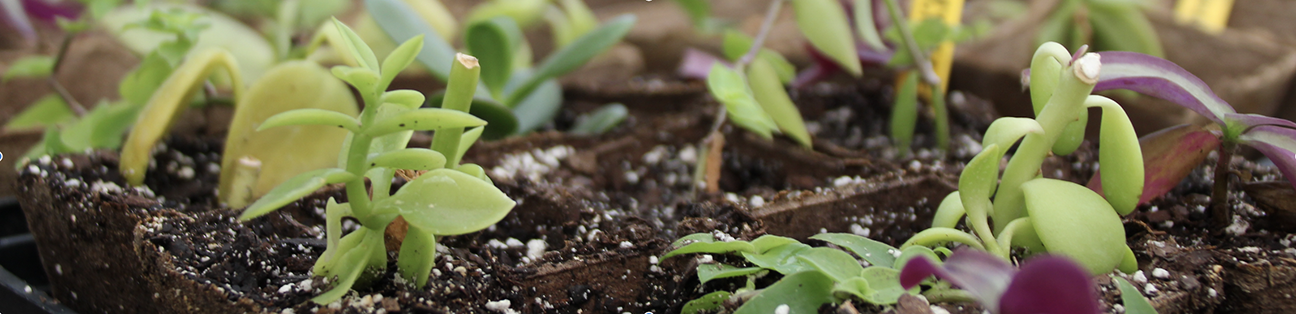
(1160, 78)
(16, 16)
(1169, 155)
(982, 274)
(1251, 120)
(1050, 284)
(1277, 143)
(1047, 284)
(696, 64)
(47, 10)
(824, 68)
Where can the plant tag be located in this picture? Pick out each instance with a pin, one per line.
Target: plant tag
(949, 11)
(1209, 15)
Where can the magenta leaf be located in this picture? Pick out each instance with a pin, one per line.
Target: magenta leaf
(1050, 284)
(1276, 142)
(1160, 78)
(696, 64)
(1169, 155)
(982, 274)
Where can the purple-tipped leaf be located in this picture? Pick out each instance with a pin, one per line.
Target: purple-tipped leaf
(1169, 155)
(1050, 284)
(1276, 142)
(1160, 78)
(1245, 120)
(983, 275)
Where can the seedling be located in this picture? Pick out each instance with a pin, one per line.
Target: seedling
(513, 97)
(448, 199)
(813, 276)
(1048, 215)
(1044, 284)
(1149, 75)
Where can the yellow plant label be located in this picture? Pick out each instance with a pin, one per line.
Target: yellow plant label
(1210, 15)
(949, 11)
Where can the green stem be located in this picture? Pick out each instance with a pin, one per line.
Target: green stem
(464, 74)
(942, 118)
(357, 194)
(1063, 107)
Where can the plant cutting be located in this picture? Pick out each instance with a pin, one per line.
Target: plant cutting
(514, 97)
(1182, 148)
(1040, 214)
(812, 276)
(448, 199)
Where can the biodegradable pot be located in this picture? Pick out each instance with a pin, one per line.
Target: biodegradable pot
(1245, 69)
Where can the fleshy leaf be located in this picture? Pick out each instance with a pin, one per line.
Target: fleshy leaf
(709, 302)
(448, 202)
(1169, 155)
(293, 189)
(538, 108)
(824, 24)
(801, 292)
(408, 98)
(424, 119)
(872, 251)
(602, 120)
(417, 255)
(1120, 155)
(885, 285)
(1277, 143)
(494, 42)
(29, 67)
(572, 56)
(834, 263)
(1050, 284)
(768, 90)
(708, 272)
(166, 104)
(904, 113)
(352, 264)
(949, 212)
(729, 87)
(297, 146)
(769, 242)
(865, 27)
(980, 176)
(983, 275)
(1134, 301)
(311, 116)
(1162, 79)
(363, 55)
(500, 120)
(409, 158)
(1075, 222)
(400, 58)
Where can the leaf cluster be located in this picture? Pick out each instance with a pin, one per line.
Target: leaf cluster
(1115, 25)
(514, 96)
(812, 276)
(447, 199)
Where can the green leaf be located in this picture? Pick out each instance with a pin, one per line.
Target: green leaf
(580, 18)
(311, 116)
(708, 303)
(1075, 222)
(1120, 159)
(539, 108)
(602, 120)
(448, 202)
(904, 114)
(949, 212)
(885, 285)
(769, 242)
(351, 265)
(29, 67)
(767, 89)
(364, 80)
(417, 256)
(801, 292)
(824, 24)
(699, 11)
(1135, 302)
(872, 251)
(735, 44)
(525, 12)
(409, 158)
(102, 127)
(785, 70)
(467, 140)
(493, 42)
(138, 85)
(708, 272)
(474, 170)
(406, 98)
(363, 55)
(1006, 131)
(980, 175)
(573, 56)
(402, 23)
(293, 189)
(912, 252)
(1123, 27)
(689, 239)
(46, 111)
(729, 87)
(400, 58)
(781, 259)
(865, 27)
(712, 248)
(423, 119)
(501, 121)
(834, 263)
(927, 34)
(293, 92)
(197, 26)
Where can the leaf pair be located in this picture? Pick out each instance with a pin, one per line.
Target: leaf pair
(758, 100)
